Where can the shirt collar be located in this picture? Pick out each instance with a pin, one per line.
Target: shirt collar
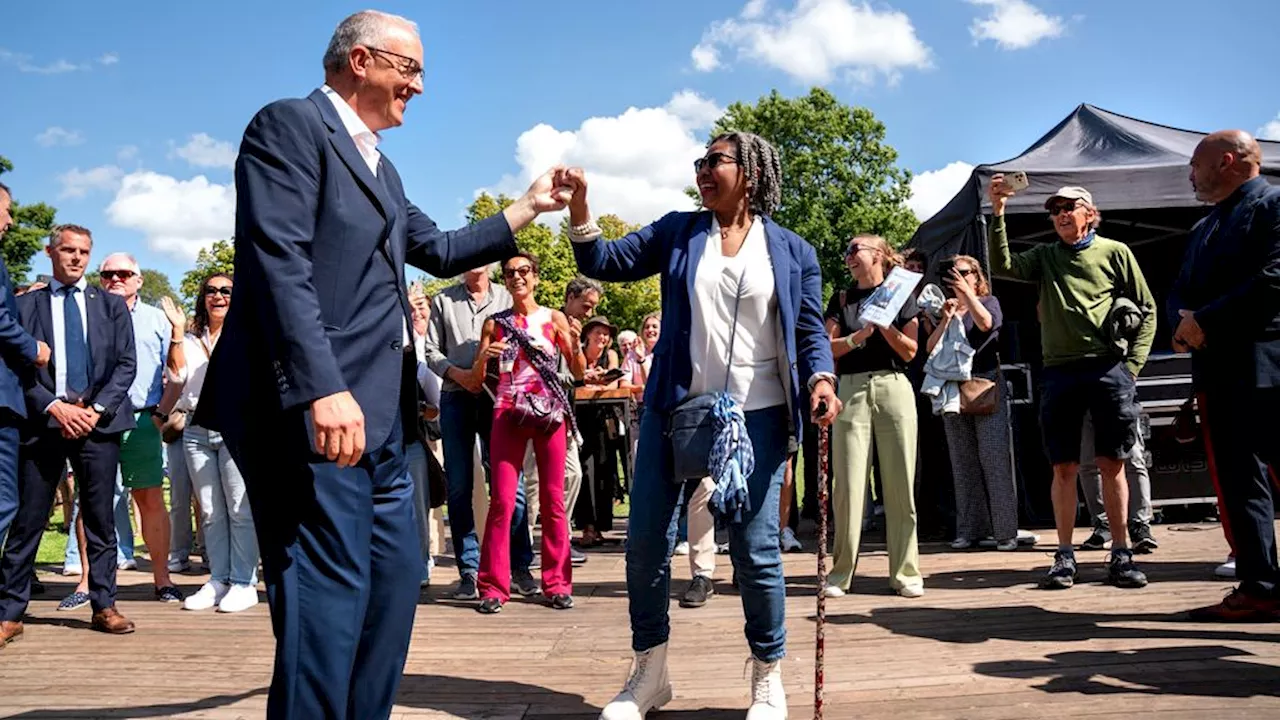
(1248, 186)
(350, 120)
(55, 285)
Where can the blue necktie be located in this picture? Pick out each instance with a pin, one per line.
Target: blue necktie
(77, 354)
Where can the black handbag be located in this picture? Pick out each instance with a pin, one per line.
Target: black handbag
(691, 427)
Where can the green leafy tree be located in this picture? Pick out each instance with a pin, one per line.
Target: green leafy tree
(155, 285)
(218, 258)
(29, 232)
(556, 266)
(840, 177)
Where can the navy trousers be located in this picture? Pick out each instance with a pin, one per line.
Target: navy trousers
(8, 471)
(341, 560)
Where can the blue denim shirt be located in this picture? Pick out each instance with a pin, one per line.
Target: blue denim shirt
(151, 333)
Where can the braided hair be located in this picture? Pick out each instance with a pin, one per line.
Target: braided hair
(762, 166)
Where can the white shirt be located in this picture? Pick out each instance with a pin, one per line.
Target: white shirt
(366, 142)
(754, 378)
(195, 351)
(57, 310)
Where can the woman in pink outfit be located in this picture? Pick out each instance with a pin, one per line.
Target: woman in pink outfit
(531, 403)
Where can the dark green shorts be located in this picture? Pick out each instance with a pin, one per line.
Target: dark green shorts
(141, 462)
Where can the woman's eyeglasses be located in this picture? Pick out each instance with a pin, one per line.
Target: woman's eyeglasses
(223, 291)
(522, 271)
(855, 249)
(117, 274)
(712, 161)
(965, 272)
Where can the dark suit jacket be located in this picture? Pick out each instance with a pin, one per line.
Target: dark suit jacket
(673, 247)
(17, 348)
(320, 303)
(110, 350)
(1231, 278)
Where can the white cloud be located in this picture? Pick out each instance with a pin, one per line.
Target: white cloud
(1270, 131)
(932, 190)
(24, 64)
(178, 217)
(1014, 24)
(78, 183)
(203, 151)
(819, 40)
(127, 153)
(109, 59)
(638, 163)
(59, 136)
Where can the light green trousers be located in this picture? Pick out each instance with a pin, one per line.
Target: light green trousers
(880, 412)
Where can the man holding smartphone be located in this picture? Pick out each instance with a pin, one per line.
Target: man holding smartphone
(1079, 276)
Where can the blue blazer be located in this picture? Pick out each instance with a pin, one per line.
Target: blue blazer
(320, 300)
(111, 353)
(673, 247)
(1230, 278)
(17, 348)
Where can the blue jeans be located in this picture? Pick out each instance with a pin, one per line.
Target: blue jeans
(415, 454)
(181, 537)
(753, 544)
(124, 526)
(463, 416)
(229, 538)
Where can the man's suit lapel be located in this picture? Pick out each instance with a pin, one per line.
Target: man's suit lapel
(351, 157)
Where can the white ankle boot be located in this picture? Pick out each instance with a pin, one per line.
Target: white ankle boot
(647, 689)
(768, 699)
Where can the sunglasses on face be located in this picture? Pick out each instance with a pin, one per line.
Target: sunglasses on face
(522, 271)
(712, 161)
(855, 249)
(964, 272)
(1056, 210)
(110, 275)
(223, 291)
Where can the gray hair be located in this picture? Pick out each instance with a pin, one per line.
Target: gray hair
(580, 285)
(763, 168)
(367, 27)
(130, 258)
(55, 235)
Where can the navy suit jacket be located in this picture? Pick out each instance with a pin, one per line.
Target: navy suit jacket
(320, 299)
(17, 348)
(111, 352)
(673, 247)
(1230, 278)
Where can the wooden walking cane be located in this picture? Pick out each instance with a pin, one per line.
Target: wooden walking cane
(824, 469)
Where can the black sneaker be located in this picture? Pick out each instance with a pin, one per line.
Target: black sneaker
(561, 601)
(74, 601)
(467, 589)
(169, 594)
(1099, 540)
(489, 606)
(1141, 540)
(1063, 573)
(700, 591)
(523, 583)
(1123, 572)
(576, 556)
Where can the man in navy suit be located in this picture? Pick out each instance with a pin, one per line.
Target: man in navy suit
(77, 408)
(313, 384)
(18, 351)
(1225, 306)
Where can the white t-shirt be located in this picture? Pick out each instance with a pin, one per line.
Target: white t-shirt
(754, 380)
(195, 351)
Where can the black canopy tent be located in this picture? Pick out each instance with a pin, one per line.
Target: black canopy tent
(1138, 173)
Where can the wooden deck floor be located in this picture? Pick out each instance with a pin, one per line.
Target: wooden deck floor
(981, 644)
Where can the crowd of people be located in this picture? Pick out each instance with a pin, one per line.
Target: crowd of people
(343, 448)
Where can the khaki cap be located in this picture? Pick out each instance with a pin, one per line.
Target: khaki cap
(1070, 192)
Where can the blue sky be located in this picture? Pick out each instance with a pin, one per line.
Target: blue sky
(126, 116)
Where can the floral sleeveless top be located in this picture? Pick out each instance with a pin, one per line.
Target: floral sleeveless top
(515, 372)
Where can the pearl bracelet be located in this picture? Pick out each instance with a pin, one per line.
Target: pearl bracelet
(588, 230)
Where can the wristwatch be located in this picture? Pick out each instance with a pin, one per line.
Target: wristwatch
(99, 408)
(853, 343)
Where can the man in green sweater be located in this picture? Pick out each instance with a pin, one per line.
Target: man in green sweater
(1079, 277)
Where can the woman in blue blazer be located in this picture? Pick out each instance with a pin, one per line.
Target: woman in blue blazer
(731, 254)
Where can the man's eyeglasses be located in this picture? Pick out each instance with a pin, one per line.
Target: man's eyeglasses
(712, 161)
(1058, 209)
(223, 291)
(408, 67)
(110, 275)
(522, 271)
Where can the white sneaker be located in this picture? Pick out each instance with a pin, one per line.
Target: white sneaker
(789, 541)
(239, 597)
(71, 570)
(911, 591)
(833, 591)
(209, 594)
(177, 565)
(130, 564)
(647, 689)
(1227, 570)
(768, 699)
(682, 548)
(961, 543)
